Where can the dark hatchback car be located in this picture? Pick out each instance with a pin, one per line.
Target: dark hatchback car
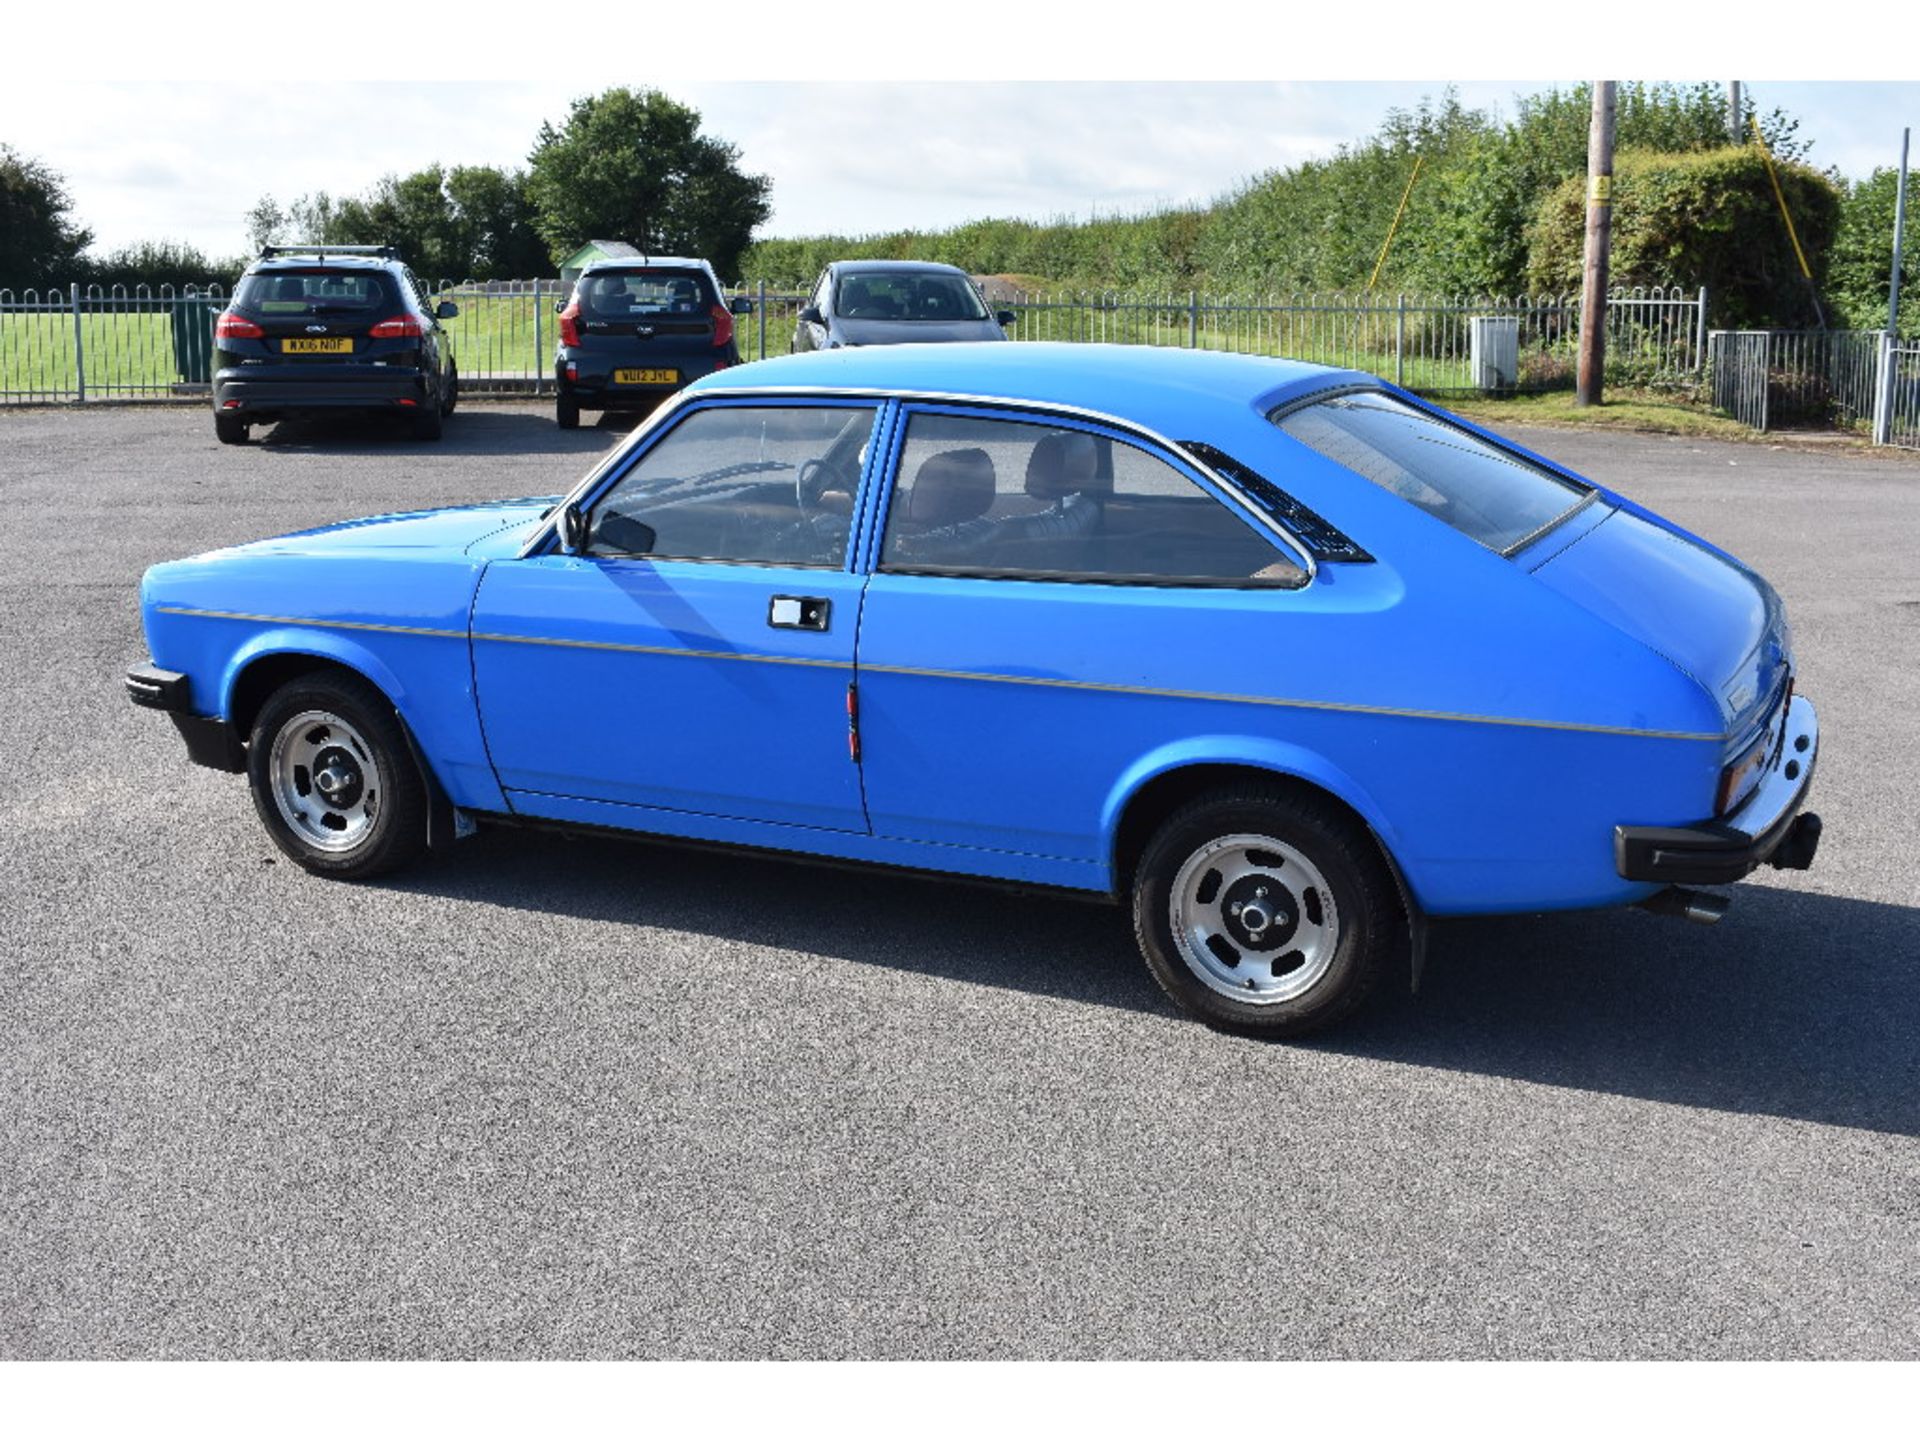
(894, 302)
(635, 331)
(331, 328)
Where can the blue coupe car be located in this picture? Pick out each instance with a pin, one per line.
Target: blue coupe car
(1284, 658)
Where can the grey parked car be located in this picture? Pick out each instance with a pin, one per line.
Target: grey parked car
(894, 302)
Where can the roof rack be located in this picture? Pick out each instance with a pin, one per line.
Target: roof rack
(385, 252)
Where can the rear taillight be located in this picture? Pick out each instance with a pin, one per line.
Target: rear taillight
(570, 324)
(722, 325)
(236, 327)
(399, 327)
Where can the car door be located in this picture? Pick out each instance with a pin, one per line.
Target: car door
(1052, 602)
(696, 657)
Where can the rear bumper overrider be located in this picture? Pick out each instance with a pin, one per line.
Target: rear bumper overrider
(1769, 829)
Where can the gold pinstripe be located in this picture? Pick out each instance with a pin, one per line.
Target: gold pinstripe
(1277, 702)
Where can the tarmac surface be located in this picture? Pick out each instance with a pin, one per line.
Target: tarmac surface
(558, 1098)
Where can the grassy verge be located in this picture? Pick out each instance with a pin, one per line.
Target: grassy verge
(1647, 414)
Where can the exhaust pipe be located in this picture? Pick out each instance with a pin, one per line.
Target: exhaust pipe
(1701, 907)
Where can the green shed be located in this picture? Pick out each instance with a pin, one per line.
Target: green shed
(593, 250)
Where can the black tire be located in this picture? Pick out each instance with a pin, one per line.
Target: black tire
(426, 423)
(1351, 940)
(389, 807)
(230, 429)
(567, 412)
(450, 396)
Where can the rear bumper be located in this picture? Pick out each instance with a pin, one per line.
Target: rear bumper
(591, 385)
(364, 387)
(1768, 830)
(210, 741)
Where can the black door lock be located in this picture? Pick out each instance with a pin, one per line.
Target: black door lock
(799, 612)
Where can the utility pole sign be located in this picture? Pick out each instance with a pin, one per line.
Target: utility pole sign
(1593, 284)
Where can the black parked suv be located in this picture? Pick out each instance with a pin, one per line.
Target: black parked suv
(634, 331)
(333, 327)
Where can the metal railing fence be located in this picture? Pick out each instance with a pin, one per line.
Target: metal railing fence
(1430, 344)
(81, 344)
(1897, 418)
(1773, 379)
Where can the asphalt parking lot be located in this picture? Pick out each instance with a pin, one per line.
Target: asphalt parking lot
(577, 1098)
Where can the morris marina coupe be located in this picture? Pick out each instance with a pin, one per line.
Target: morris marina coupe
(1285, 658)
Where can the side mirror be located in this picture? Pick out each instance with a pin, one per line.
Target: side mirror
(445, 310)
(810, 315)
(571, 527)
(740, 305)
(1005, 317)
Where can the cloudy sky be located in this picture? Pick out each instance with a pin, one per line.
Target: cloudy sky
(146, 159)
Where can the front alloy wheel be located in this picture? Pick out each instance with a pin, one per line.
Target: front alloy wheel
(334, 780)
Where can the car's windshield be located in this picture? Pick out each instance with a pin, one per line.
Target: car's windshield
(907, 295)
(620, 294)
(313, 292)
(1479, 489)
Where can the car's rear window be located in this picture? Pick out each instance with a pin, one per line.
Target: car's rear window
(907, 295)
(619, 294)
(314, 292)
(1479, 489)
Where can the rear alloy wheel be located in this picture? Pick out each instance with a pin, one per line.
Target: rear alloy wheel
(230, 429)
(1263, 913)
(334, 780)
(567, 413)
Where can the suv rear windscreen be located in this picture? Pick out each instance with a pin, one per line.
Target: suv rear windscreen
(1479, 489)
(315, 292)
(625, 294)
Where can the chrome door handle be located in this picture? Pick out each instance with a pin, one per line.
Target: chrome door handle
(799, 612)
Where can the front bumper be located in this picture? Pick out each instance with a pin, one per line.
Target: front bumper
(1769, 829)
(210, 740)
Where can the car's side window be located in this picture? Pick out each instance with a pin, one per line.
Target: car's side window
(763, 484)
(1023, 499)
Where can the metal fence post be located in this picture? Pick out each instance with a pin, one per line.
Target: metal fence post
(1883, 392)
(79, 349)
(761, 306)
(539, 365)
(1193, 319)
(1700, 333)
(1400, 346)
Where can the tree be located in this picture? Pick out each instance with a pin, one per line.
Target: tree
(39, 244)
(266, 224)
(1703, 218)
(1862, 263)
(473, 222)
(634, 166)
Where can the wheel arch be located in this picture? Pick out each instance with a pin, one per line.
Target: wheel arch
(274, 660)
(1161, 783)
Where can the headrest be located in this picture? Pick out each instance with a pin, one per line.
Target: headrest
(1063, 463)
(950, 488)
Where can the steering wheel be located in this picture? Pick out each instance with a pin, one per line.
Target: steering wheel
(812, 481)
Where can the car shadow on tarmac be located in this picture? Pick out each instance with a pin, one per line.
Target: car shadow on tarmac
(480, 431)
(1799, 1005)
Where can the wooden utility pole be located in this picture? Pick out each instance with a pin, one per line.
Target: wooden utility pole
(1593, 286)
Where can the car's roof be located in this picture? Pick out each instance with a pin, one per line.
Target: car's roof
(1178, 393)
(918, 267)
(307, 260)
(642, 262)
